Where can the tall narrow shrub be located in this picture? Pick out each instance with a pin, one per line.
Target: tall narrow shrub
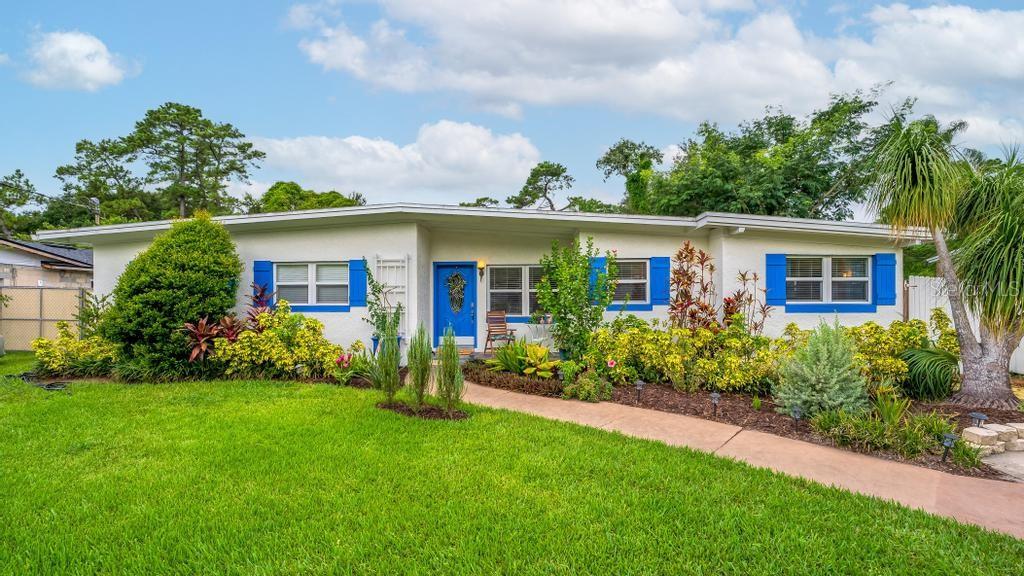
(420, 357)
(187, 273)
(384, 368)
(822, 375)
(449, 375)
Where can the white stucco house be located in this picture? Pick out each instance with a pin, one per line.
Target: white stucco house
(813, 269)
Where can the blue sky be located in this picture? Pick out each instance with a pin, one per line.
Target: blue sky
(442, 100)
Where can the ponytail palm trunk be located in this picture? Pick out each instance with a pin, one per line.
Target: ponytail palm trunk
(923, 180)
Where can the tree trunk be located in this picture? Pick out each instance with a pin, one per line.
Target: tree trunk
(986, 382)
(986, 359)
(181, 206)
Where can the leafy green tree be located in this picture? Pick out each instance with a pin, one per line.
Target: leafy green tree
(634, 161)
(581, 204)
(565, 292)
(922, 179)
(15, 191)
(287, 196)
(187, 273)
(190, 158)
(776, 165)
(545, 180)
(481, 202)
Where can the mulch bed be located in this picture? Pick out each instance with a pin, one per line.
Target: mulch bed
(738, 409)
(477, 371)
(426, 412)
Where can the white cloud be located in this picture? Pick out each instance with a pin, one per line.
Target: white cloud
(73, 61)
(451, 161)
(681, 58)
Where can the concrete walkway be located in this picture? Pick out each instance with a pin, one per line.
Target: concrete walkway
(989, 503)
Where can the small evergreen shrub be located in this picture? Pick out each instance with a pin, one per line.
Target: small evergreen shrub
(67, 355)
(822, 375)
(384, 368)
(421, 356)
(589, 387)
(189, 272)
(569, 370)
(450, 384)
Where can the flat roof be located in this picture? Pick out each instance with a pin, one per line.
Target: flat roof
(442, 214)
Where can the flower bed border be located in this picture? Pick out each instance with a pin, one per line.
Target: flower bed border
(475, 370)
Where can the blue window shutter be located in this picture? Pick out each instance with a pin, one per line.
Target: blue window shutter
(357, 282)
(885, 279)
(660, 280)
(775, 279)
(263, 274)
(597, 265)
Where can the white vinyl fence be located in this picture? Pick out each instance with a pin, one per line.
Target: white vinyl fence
(925, 293)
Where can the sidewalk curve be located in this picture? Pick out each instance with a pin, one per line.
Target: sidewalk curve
(989, 503)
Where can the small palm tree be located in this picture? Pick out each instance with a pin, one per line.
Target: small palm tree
(922, 179)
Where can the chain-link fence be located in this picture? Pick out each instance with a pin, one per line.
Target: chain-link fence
(34, 313)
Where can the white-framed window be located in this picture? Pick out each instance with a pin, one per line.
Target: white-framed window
(512, 289)
(633, 286)
(828, 279)
(312, 282)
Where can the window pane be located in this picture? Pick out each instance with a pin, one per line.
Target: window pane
(803, 267)
(293, 273)
(507, 302)
(533, 303)
(507, 278)
(633, 270)
(637, 292)
(805, 290)
(332, 273)
(536, 272)
(326, 294)
(850, 290)
(295, 294)
(850, 267)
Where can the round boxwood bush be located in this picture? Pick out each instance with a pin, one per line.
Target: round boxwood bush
(188, 272)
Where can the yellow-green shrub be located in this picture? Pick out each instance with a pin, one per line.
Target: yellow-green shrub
(879, 349)
(67, 355)
(729, 359)
(284, 345)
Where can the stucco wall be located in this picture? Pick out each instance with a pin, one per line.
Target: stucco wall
(746, 252)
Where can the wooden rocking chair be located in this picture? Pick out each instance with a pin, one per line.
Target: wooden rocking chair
(497, 329)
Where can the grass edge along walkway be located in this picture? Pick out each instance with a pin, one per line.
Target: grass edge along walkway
(992, 504)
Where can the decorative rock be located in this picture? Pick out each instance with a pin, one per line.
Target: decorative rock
(1006, 433)
(983, 451)
(1015, 446)
(980, 436)
(999, 447)
(1019, 426)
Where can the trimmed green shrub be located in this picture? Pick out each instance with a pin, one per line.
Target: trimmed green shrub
(450, 384)
(930, 373)
(420, 357)
(189, 272)
(569, 370)
(589, 387)
(822, 375)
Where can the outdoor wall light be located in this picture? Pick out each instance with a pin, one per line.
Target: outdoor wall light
(715, 397)
(948, 440)
(977, 418)
(480, 267)
(639, 388)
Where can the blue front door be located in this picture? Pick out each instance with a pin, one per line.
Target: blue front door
(455, 301)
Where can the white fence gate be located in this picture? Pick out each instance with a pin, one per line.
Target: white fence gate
(924, 293)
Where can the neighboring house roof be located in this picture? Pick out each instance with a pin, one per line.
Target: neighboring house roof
(53, 255)
(487, 217)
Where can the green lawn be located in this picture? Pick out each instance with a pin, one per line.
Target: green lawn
(284, 478)
(16, 362)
